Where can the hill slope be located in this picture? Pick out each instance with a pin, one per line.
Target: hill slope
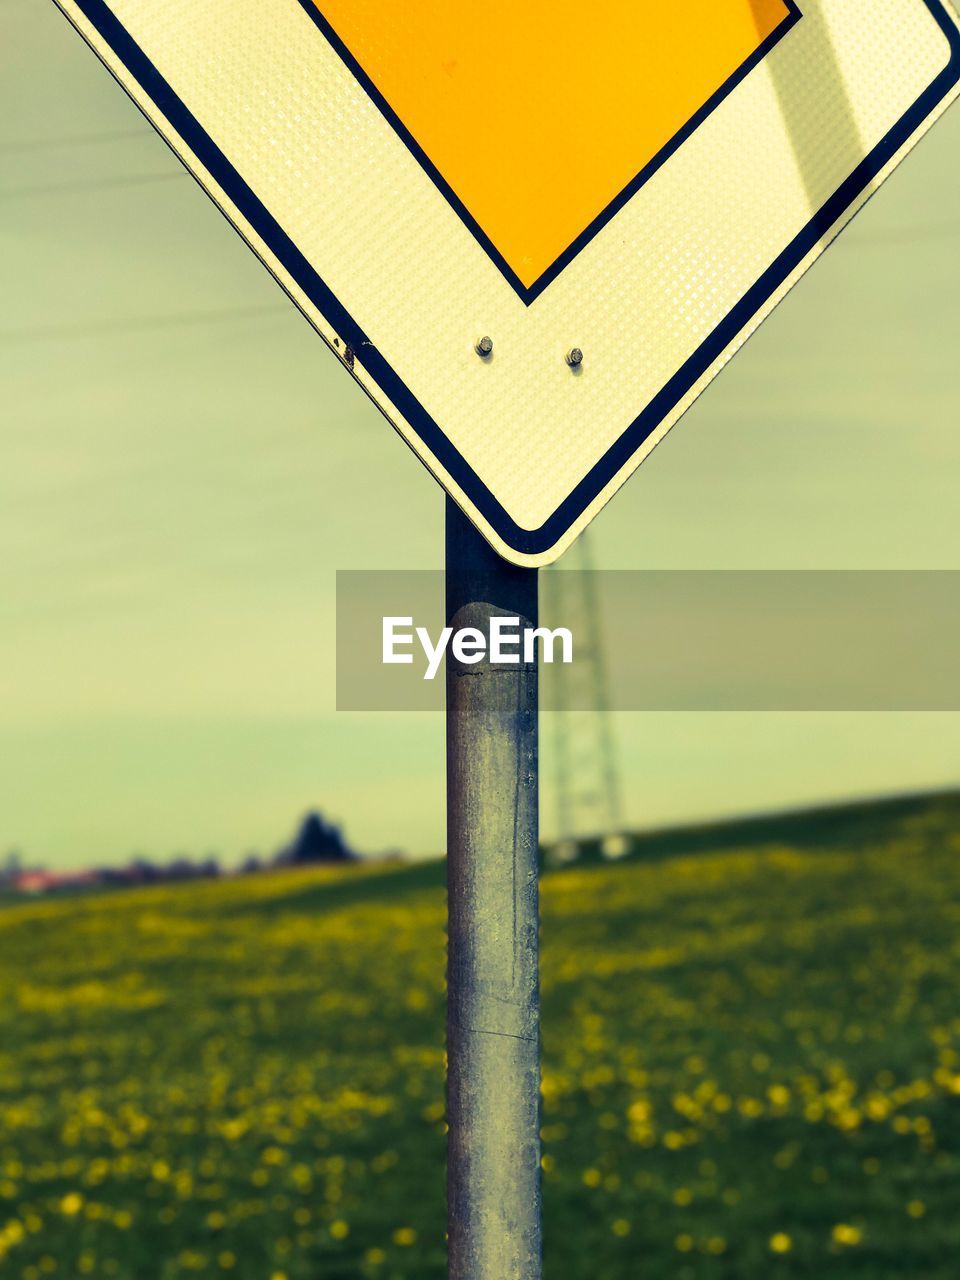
(752, 1066)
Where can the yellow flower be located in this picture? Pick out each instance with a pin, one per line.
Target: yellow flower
(780, 1242)
(621, 1227)
(71, 1204)
(916, 1208)
(404, 1236)
(844, 1233)
(339, 1229)
(684, 1243)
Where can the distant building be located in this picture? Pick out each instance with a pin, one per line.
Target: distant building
(39, 881)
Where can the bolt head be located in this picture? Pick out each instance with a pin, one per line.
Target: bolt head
(484, 346)
(575, 358)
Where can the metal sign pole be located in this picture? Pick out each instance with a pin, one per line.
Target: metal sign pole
(493, 1016)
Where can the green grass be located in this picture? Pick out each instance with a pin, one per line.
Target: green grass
(752, 1066)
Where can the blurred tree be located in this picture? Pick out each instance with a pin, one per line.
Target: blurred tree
(11, 867)
(317, 841)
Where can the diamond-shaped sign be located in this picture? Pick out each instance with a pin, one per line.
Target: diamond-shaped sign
(534, 232)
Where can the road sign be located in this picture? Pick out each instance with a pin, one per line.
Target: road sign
(534, 233)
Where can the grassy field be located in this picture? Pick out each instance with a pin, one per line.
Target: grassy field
(752, 1066)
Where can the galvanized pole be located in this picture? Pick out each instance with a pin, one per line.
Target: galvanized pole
(493, 1014)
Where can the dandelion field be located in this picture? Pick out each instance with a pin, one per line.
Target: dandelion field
(751, 1067)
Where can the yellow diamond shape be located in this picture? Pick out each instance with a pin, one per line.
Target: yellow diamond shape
(538, 115)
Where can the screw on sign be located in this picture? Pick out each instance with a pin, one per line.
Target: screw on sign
(648, 179)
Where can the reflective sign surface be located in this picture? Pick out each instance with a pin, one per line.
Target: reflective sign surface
(639, 183)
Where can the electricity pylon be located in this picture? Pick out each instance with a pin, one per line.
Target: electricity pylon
(588, 801)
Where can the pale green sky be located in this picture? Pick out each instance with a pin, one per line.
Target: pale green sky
(183, 467)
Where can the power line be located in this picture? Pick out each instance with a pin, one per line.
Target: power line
(174, 320)
(95, 184)
(76, 140)
(903, 235)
